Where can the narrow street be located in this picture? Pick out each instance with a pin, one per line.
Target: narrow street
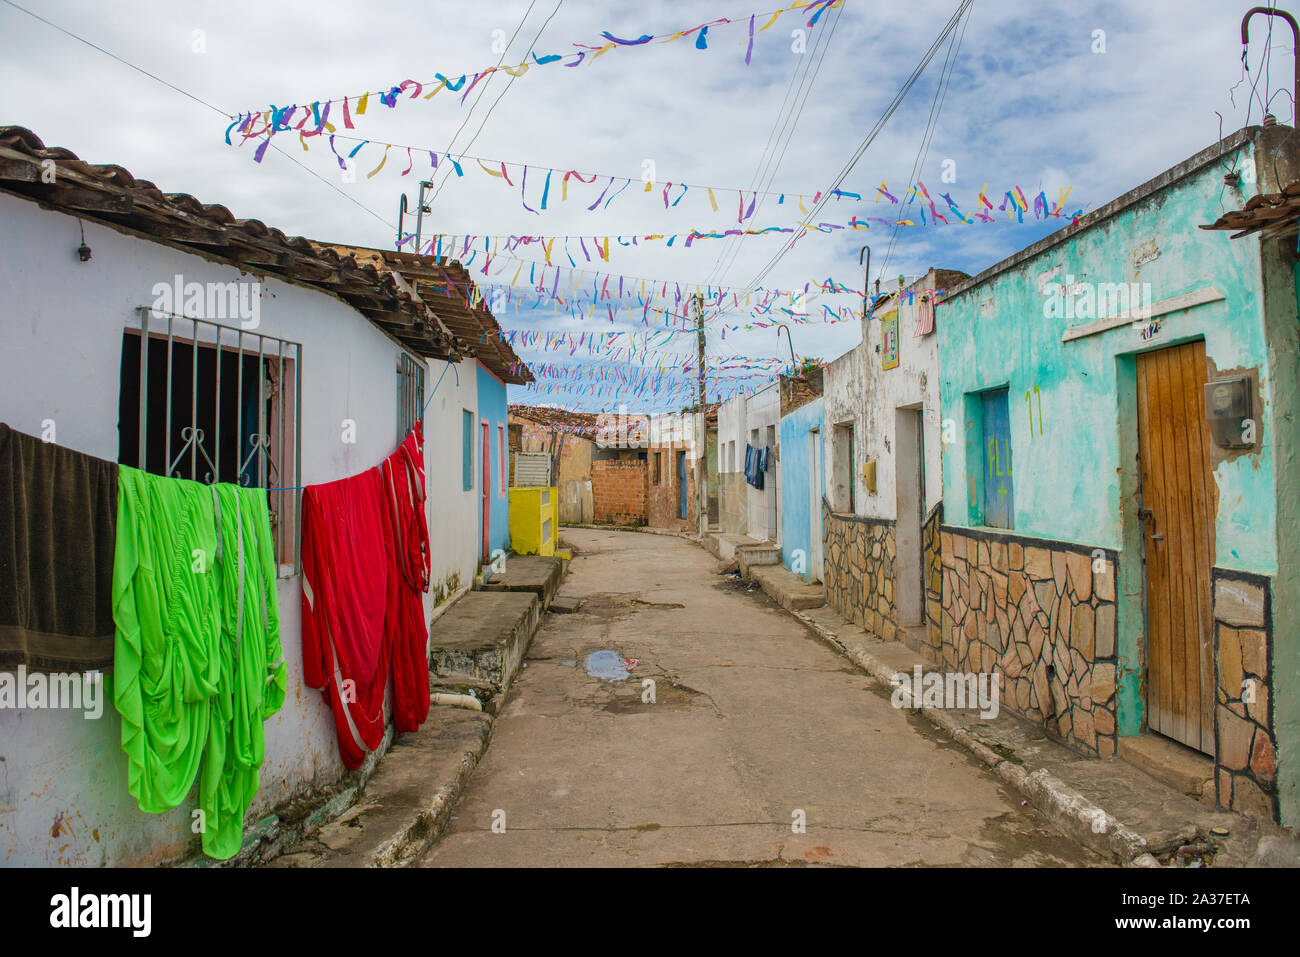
(754, 720)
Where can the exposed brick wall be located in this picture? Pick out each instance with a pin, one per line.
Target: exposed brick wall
(663, 501)
(618, 488)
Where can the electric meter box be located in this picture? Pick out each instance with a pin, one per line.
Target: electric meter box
(1228, 412)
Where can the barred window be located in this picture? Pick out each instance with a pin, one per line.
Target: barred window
(501, 460)
(467, 449)
(183, 413)
(410, 394)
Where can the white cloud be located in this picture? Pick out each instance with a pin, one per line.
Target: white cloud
(1029, 104)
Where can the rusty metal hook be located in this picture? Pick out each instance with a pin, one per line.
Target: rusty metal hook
(866, 271)
(794, 363)
(1295, 33)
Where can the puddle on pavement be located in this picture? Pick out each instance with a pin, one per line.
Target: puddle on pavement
(668, 697)
(607, 666)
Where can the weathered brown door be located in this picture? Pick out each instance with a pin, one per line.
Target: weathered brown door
(1177, 514)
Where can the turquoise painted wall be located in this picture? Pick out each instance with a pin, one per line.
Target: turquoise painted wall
(796, 483)
(1068, 477)
(1075, 474)
(492, 408)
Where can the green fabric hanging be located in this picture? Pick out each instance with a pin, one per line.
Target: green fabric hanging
(252, 684)
(198, 666)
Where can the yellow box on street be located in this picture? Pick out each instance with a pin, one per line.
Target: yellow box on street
(534, 519)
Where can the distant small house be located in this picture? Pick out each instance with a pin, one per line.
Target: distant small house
(672, 495)
(568, 442)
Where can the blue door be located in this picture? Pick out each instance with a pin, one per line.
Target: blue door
(999, 500)
(681, 476)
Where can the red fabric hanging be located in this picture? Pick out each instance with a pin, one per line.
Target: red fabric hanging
(347, 567)
(404, 495)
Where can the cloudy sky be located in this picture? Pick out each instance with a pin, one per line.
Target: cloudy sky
(1036, 97)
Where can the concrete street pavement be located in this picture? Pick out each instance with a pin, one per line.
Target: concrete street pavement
(756, 725)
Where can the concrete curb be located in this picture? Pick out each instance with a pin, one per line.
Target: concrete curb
(1068, 810)
(426, 828)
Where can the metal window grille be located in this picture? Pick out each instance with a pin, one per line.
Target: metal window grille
(467, 450)
(256, 435)
(410, 394)
(501, 461)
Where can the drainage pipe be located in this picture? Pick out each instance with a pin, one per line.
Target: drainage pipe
(456, 700)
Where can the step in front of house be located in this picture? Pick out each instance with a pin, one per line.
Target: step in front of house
(538, 574)
(723, 545)
(476, 647)
(756, 556)
(787, 589)
(408, 801)
(1166, 760)
(482, 639)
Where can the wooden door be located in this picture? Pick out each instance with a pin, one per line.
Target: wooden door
(1177, 514)
(681, 478)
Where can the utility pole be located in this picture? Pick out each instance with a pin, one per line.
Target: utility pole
(420, 210)
(702, 436)
(699, 331)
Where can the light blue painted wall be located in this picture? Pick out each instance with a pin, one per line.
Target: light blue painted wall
(492, 408)
(796, 482)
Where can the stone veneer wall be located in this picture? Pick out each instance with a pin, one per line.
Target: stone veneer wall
(858, 570)
(1245, 759)
(1035, 612)
(932, 556)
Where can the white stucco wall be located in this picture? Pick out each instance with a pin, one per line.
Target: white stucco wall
(731, 428)
(732, 516)
(844, 395)
(454, 517)
(62, 322)
(859, 391)
(763, 412)
(913, 383)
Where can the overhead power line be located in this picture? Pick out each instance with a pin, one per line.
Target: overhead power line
(870, 137)
(788, 125)
(927, 137)
(198, 100)
(510, 83)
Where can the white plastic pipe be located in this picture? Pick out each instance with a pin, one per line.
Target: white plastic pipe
(456, 700)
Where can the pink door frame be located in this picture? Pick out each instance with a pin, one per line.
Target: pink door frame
(487, 486)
